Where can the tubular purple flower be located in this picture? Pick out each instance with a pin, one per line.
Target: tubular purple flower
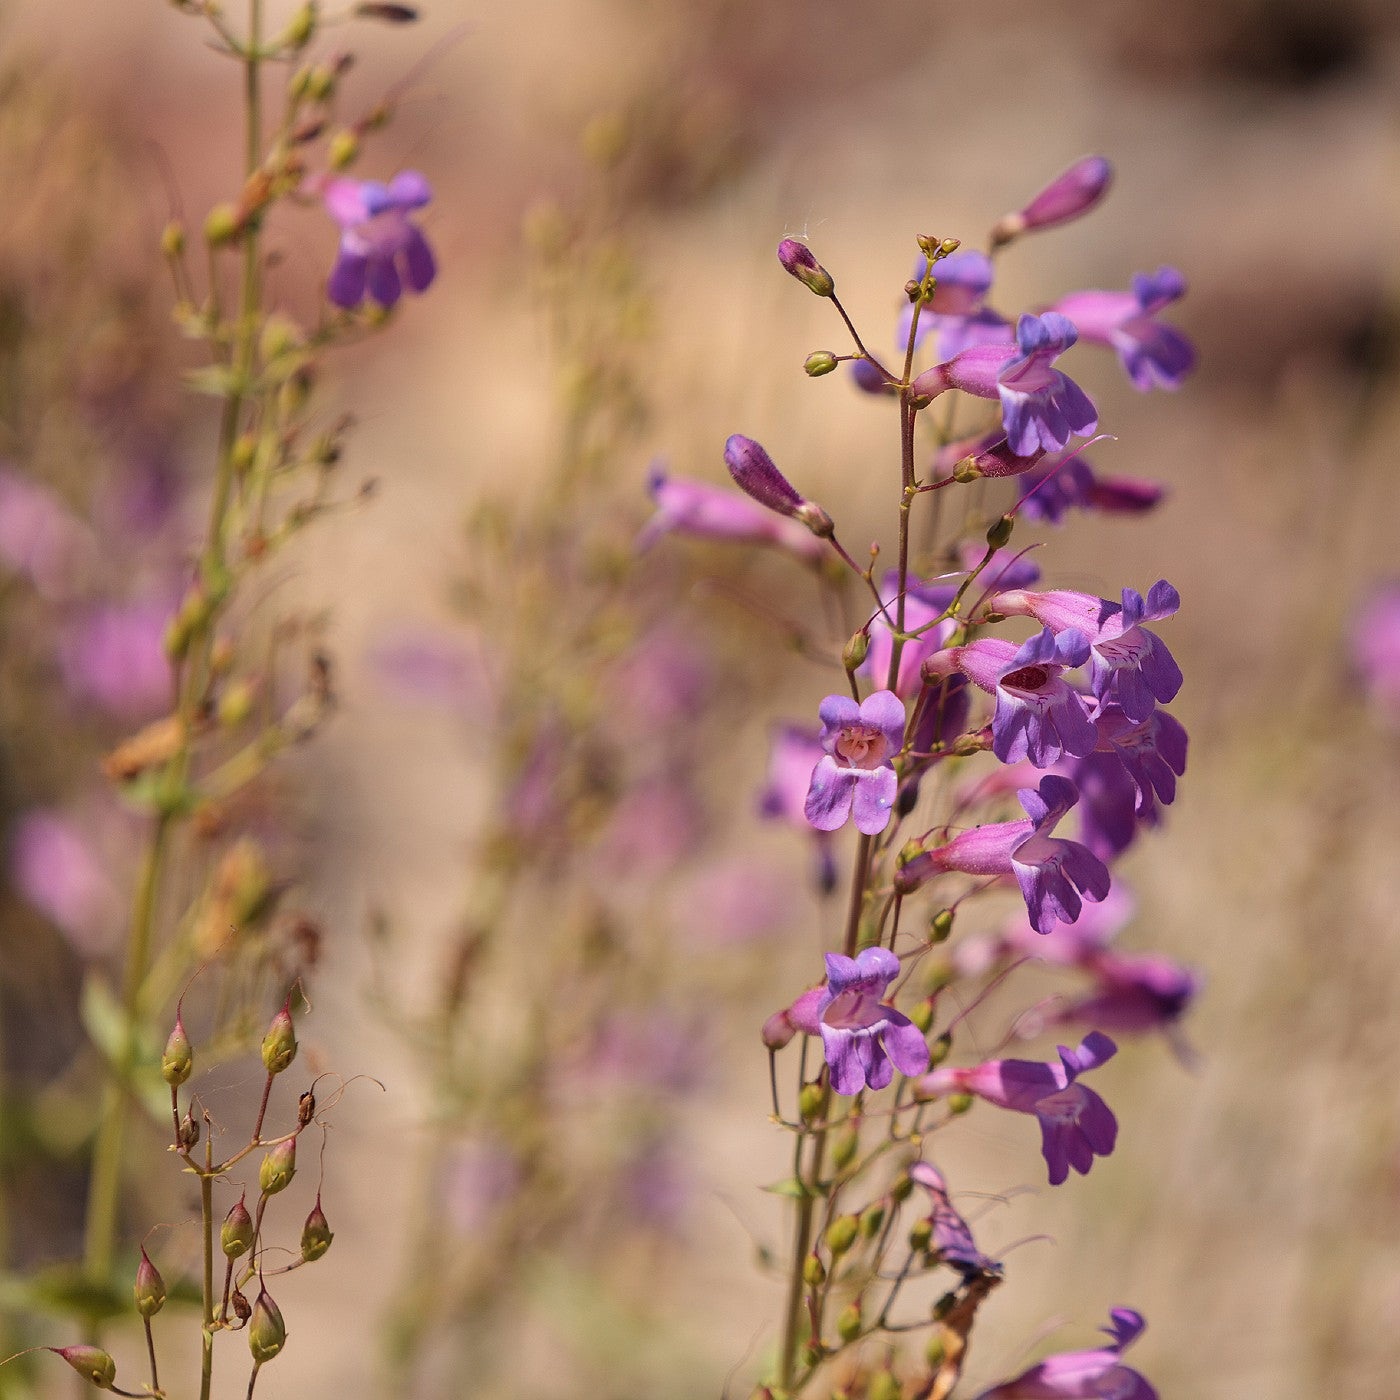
(921, 606)
(1084, 1375)
(793, 753)
(1130, 665)
(950, 1235)
(380, 247)
(1155, 355)
(797, 259)
(1076, 1125)
(855, 774)
(1152, 750)
(1071, 193)
(754, 474)
(864, 1039)
(688, 507)
(1134, 993)
(962, 280)
(1055, 875)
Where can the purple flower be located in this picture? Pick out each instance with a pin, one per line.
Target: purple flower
(1040, 406)
(380, 247)
(57, 870)
(1054, 874)
(40, 539)
(793, 753)
(1110, 806)
(1129, 665)
(1375, 647)
(950, 1236)
(1152, 750)
(1153, 354)
(1076, 1125)
(112, 655)
(1084, 1375)
(688, 507)
(1071, 193)
(1134, 993)
(855, 774)
(865, 1040)
(1038, 715)
(1054, 486)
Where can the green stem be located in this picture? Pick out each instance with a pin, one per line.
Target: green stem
(206, 1212)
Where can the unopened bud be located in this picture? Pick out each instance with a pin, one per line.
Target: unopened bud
(901, 1188)
(848, 1324)
(188, 1135)
(778, 1030)
(922, 1014)
(267, 1333)
(813, 1271)
(939, 1050)
(913, 289)
(999, 535)
(755, 474)
(320, 82)
(279, 1045)
(853, 654)
(920, 1233)
(844, 1149)
(966, 470)
(797, 259)
(820, 362)
(222, 225)
(316, 1234)
(389, 14)
(172, 239)
(816, 520)
(342, 150)
(300, 28)
(236, 704)
(841, 1234)
(278, 1168)
(871, 1219)
(1070, 194)
(91, 1363)
(236, 1233)
(178, 1059)
(149, 1288)
(883, 1386)
(959, 1103)
(809, 1101)
(940, 926)
(935, 1351)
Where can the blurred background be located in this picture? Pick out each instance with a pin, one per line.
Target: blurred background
(586, 324)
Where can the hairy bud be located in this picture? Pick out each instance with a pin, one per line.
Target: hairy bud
(797, 259)
(267, 1333)
(149, 1288)
(278, 1168)
(236, 1233)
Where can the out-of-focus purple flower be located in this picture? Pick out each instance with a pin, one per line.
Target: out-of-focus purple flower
(479, 1175)
(1038, 715)
(381, 248)
(1053, 873)
(40, 539)
(1084, 1375)
(1153, 751)
(864, 1039)
(688, 507)
(950, 1237)
(56, 869)
(1375, 647)
(794, 751)
(1059, 483)
(648, 1052)
(1007, 568)
(735, 901)
(1071, 193)
(655, 823)
(1155, 355)
(657, 1185)
(112, 655)
(1065, 945)
(1129, 665)
(955, 314)
(1076, 1125)
(1133, 993)
(869, 380)
(423, 664)
(1041, 407)
(662, 681)
(921, 606)
(855, 774)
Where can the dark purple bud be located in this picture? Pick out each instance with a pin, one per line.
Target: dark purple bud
(797, 259)
(91, 1363)
(1070, 194)
(754, 474)
(149, 1288)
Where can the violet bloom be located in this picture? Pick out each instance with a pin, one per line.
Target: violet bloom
(1040, 406)
(1152, 353)
(1375, 647)
(113, 655)
(1133, 993)
(380, 247)
(1038, 715)
(922, 605)
(864, 1039)
(1129, 665)
(1054, 875)
(1076, 1125)
(793, 753)
(1153, 751)
(688, 507)
(1084, 1375)
(856, 774)
(1071, 193)
(950, 1238)
(1111, 809)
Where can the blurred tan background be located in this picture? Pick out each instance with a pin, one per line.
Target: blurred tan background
(1252, 1211)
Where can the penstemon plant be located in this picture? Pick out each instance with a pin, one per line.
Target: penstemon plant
(958, 753)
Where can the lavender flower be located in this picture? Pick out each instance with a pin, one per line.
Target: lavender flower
(756, 475)
(1040, 406)
(1054, 486)
(1054, 874)
(794, 752)
(1153, 354)
(380, 246)
(1071, 193)
(864, 1039)
(1153, 751)
(1375, 647)
(1084, 1375)
(1133, 993)
(1076, 1125)
(950, 1235)
(40, 538)
(856, 774)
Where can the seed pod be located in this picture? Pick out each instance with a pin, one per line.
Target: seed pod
(242, 1308)
(149, 1288)
(267, 1333)
(236, 1234)
(278, 1168)
(849, 1323)
(91, 1363)
(178, 1059)
(279, 1045)
(841, 1233)
(189, 1132)
(316, 1234)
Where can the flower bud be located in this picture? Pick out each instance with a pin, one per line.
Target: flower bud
(813, 1271)
(854, 652)
(316, 1234)
(222, 225)
(778, 1030)
(871, 1219)
(149, 1288)
(940, 926)
(901, 1188)
(236, 1234)
(267, 1333)
(236, 704)
(172, 239)
(809, 1101)
(959, 1103)
(999, 535)
(920, 1233)
(754, 474)
(178, 1059)
(797, 259)
(342, 150)
(279, 1045)
(939, 1050)
(883, 1386)
(848, 1324)
(300, 28)
(1073, 192)
(841, 1234)
(278, 1168)
(188, 1135)
(91, 1363)
(820, 362)
(844, 1149)
(922, 1014)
